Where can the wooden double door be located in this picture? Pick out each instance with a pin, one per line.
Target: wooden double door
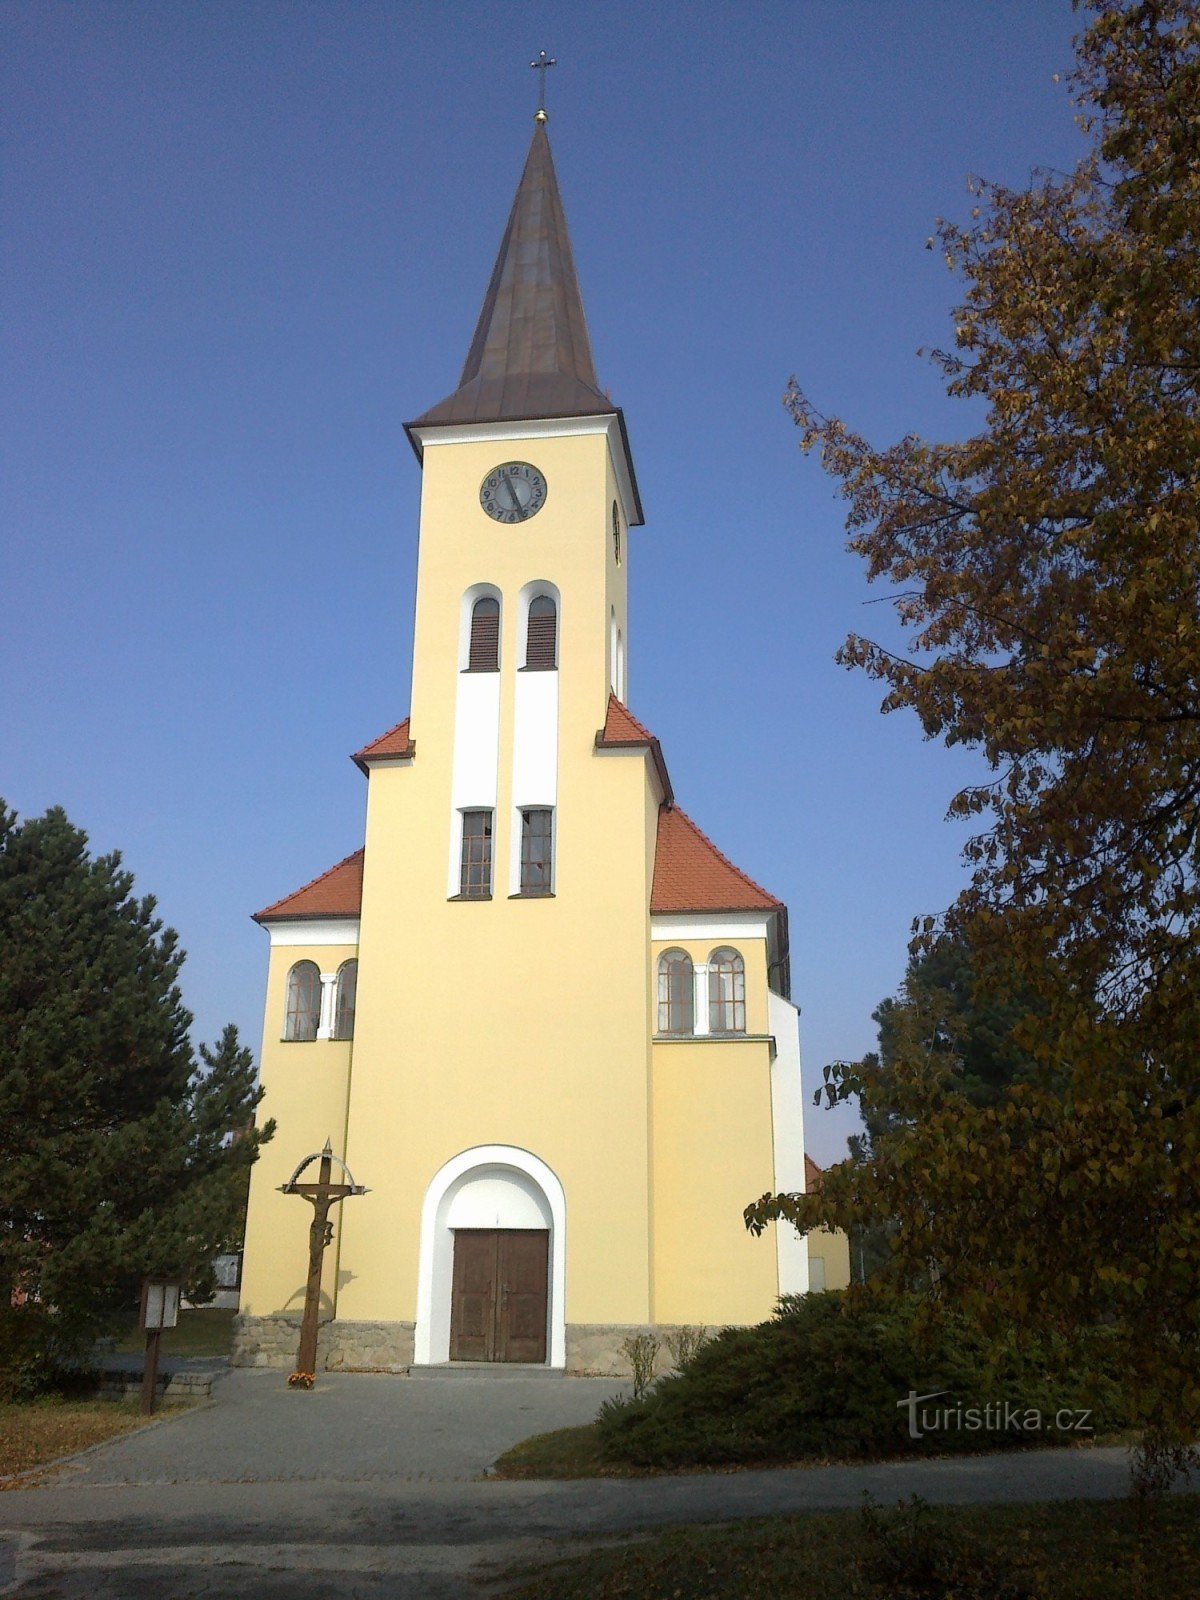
(499, 1299)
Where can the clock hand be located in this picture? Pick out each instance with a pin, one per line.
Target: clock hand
(508, 484)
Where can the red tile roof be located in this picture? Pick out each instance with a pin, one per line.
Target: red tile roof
(336, 893)
(623, 731)
(812, 1174)
(394, 744)
(691, 874)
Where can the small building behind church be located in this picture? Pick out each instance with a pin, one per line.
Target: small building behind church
(539, 1013)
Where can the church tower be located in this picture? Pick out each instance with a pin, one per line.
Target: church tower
(539, 1014)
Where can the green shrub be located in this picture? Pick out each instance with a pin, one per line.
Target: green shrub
(826, 1378)
(35, 1353)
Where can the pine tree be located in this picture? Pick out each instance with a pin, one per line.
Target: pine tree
(119, 1155)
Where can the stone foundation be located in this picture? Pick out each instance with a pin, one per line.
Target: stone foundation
(342, 1346)
(370, 1346)
(593, 1348)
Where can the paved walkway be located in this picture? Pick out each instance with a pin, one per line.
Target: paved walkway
(363, 1490)
(351, 1428)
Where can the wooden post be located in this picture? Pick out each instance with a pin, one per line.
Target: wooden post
(150, 1371)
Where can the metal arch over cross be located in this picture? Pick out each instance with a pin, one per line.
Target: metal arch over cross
(542, 65)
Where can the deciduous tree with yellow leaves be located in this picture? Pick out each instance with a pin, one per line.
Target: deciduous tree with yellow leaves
(1047, 571)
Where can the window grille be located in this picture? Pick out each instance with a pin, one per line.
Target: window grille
(726, 992)
(537, 828)
(303, 1016)
(483, 654)
(676, 992)
(475, 882)
(343, 1012)
(541, 645)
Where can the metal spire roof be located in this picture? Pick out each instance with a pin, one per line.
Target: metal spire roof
(530, 356)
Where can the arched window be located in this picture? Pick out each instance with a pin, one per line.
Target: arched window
(343, 1006)
(676, 992)
(303, 1001)
(483, 652)
(541, 645)
(726, 992)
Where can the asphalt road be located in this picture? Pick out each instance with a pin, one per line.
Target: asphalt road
(371, 1487)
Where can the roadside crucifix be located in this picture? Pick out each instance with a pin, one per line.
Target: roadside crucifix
(321, 1194)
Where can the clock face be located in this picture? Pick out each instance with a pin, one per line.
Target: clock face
(513, 493)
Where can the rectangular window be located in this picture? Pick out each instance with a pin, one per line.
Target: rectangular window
(475, 881)
(537, 827)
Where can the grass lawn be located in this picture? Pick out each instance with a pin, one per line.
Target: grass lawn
(1075, 1550)
(576, 1453)
(565, 1453)
(42, 1430)
(205, 1331)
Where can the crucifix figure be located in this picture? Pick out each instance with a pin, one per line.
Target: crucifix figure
(321, 1194)
(542, 65)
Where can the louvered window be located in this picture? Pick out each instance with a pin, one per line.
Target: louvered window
(303, 1001)
(343, 1013)
(475, 881)
(676, 992)
(726, 992)
(541, 647)
(537, 830)
(484, 652)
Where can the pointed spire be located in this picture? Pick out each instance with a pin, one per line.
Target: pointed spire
(530, 356)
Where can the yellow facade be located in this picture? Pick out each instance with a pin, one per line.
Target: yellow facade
(517, 1026)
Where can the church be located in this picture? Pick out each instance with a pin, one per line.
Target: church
(539, 1014)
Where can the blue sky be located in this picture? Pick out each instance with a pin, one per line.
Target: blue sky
(244, 243)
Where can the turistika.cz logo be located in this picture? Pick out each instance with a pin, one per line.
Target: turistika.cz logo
(995, 1416)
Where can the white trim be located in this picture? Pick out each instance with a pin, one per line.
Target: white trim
(433, 435)
(371, 762)
(328, 997)
(700, 1013)
(435, 1269)
(475, 775)
(729, 926)
(332, 931)
(787, 1139)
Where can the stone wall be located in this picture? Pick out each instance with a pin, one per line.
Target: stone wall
(370, 1346)
(342, 1346)
(594, 1348)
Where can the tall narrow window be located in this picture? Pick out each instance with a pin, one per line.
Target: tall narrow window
(483, 654)
(303, 1016)
(726, 992)
(541, 646)
(343, 1010)
(616, 516)
(537, 862)
(475, 882)
(676, 992)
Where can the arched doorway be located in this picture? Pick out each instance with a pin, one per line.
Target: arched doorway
(491, 1275)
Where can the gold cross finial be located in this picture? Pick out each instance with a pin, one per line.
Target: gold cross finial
(542, 64)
